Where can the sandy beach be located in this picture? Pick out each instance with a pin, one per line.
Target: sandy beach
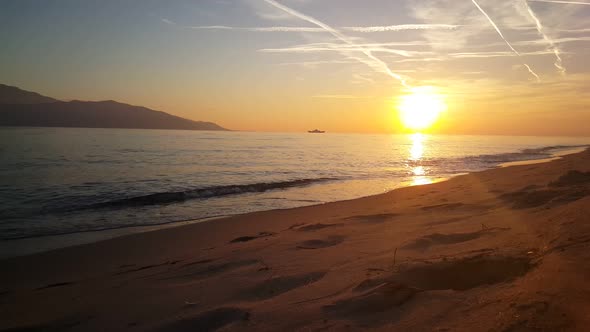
(499, 250)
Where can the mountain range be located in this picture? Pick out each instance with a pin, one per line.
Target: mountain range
(20, 108)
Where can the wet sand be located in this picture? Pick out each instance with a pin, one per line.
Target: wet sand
(499, 250)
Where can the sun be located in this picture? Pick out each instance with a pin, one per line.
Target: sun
(420, 109)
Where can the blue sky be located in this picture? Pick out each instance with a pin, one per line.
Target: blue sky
(294, 64)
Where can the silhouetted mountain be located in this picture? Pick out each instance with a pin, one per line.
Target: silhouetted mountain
(13, 95)
(87, 114)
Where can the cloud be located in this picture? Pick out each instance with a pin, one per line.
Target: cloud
(470, 55)
(314, 64)
(253, 29)
(452, 12)
(563, 2)
(473, 28)
(372, 61)
(167, 21)
(258, 29)
(343, 48)
(342, 97)
(504, 38)
(361, 79)
(558, 61)
(573, 30)
(496, 54)
(555, 41)
(425, 48)
(402, 27)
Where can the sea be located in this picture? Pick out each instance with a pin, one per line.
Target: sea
(67, 186)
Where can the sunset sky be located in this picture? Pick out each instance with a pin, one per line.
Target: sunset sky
(294, 65)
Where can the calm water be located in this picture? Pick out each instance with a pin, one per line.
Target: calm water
(58, 181)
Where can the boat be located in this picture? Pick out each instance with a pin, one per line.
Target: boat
(316, 131)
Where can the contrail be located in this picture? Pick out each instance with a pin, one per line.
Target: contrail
(504, 38)
(257, 29)
(558, 62)
(402, 27)
(375, 62)
(566, 2)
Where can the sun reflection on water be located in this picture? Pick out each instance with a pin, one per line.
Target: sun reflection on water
(419, 172)
(417, 149)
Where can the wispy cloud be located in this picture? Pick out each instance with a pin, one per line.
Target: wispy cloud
(425, 47)
(366, 45)
(402, 27)
(258, 29)
(374, 62)
(558, 62)
(313, 64)
(563, 2)
(253, 29)
(504, 38)
(470, 55)
(361, 79)
(342, 97)
(340, 48)
(574, 30)
(167, 21)
(495, 54)
(555, 41)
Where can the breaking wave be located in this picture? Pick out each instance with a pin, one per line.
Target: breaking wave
(204, 193)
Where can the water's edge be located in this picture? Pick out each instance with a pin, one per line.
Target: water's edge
(37, 244)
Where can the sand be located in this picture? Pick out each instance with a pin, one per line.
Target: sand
(501, 250)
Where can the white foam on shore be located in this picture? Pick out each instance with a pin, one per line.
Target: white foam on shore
(558, 154)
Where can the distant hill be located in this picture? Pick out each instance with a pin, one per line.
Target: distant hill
(22, 108)
(14, 95)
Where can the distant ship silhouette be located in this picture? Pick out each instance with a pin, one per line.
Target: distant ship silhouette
(316, 131)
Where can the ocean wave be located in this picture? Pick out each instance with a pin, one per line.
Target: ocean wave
(525, 154)
(204, 193)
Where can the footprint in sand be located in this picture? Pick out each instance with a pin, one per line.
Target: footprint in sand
(445, 221)
(198, 270)
(373, 218)
(572, 178)
(567, 188)
(445, 206)
(384, 296)
(250, 238)
(58, 284)
(208, 321)
(147, 267)
(435, 239)
(279, 285)
(526, 199)
(316, 227)
(321, 243)
(388, 292)
(465, 273)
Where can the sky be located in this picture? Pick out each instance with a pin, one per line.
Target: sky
(512, 67)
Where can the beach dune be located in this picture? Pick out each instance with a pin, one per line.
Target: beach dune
(501, 250)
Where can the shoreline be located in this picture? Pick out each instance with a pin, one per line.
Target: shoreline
(38, 244)
(44, 243)
(446, 255)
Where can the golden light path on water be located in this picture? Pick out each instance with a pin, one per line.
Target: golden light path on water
(416, 154)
